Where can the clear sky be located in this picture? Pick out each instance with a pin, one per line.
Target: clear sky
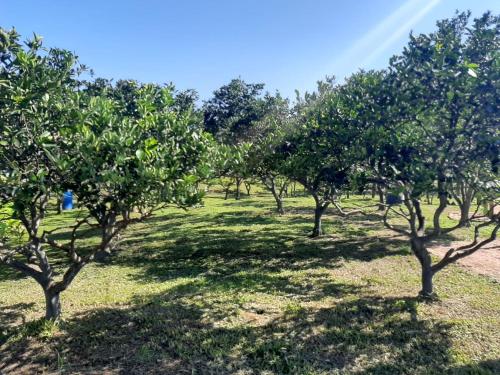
(286, 44)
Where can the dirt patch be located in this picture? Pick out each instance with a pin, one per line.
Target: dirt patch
(485, 261)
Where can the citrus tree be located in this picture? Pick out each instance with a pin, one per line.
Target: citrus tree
(443, 136)
(321, 151)
(121, 168)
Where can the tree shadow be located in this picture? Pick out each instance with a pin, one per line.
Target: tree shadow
(7, 273)
(186, 246)
(490, 367)
(247, 202)
(13, 315)
(169, 334)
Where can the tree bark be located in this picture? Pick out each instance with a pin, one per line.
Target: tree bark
(227, 192)
(248, 187)
(277, 197)
(279, 206)
(423, 256)
(238, 185)
(318, 213)
(464, 213)
(428, 197)
(52, 305)
(380, 191)
(59, 206)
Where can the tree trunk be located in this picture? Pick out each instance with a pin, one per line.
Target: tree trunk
(465, 204)
(227, 193)
(59, 206)
(464, 213)
(248, 187)
(279, 206)
(279, 199)
(427, 287)
(423, 256)
(103, 254)
(491, 210)
(52, 305)
(318, 213)
(380, 191)
(238, 184)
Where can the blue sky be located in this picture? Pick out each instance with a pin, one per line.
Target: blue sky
(286, 44)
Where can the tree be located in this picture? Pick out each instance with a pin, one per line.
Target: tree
(60, 139)
(229, 115)
(265, 159)
(126, 94)
(322, 152)
(365, 103)
(230, 166)
(443, 135)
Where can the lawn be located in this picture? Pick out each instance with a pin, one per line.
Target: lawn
(232, 288)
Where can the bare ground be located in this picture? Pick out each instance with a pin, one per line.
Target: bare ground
(485, 261)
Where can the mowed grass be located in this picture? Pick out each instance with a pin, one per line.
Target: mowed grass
(232, 288)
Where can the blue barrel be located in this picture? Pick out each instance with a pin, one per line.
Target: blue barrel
(67, 200)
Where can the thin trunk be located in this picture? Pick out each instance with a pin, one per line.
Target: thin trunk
(238, 184)
(279, 201)
(107, 231)
(52, 305)
(59, 206)
(428, 198)
(248, 187)
(227, 192)
(270, 183)
(318, 213)
(380, 191)
(443, 202)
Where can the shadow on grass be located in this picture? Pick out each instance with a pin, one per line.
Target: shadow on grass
(7, 273)
(169, 334)
(207, 324)
(11, 315)
(223, 244)
(481, 368)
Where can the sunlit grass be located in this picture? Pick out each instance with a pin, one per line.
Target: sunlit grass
(233, 288)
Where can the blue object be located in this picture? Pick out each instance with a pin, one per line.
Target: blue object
(393, 199)
(67, 201)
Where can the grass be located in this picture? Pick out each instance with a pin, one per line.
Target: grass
(232, 288)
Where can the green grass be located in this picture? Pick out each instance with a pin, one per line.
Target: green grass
(232, 288)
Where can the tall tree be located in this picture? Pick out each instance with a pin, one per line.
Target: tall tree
(229, 115)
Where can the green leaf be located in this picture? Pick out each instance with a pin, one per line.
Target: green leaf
(472, 73)
(140, 154)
